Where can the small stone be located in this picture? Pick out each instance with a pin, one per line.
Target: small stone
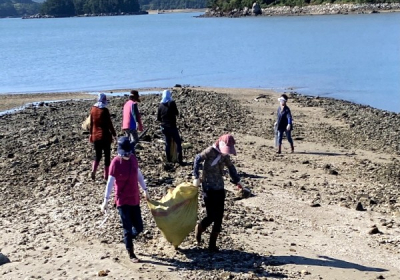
(315, 205)
(305, 272)
(103, 273)
(359, 207)
(374, 230)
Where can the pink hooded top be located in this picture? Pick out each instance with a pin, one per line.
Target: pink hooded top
(131, 116)
(126, 184)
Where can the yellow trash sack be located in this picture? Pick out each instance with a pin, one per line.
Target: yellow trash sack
(176, 213)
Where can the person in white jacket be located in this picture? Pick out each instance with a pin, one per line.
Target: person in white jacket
(125, 176)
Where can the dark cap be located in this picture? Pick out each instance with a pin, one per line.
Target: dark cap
(124, 146)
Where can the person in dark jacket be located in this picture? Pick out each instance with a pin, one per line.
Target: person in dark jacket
(167, 113)
(101, 134)
(215, 158)
(284, 123)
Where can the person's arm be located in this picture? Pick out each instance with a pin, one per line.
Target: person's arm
(91, 123)
(196, 165)
(174, 108)
(136, 116)
(110, 124)
(142, 184)
(107, 192)
(232, 171)
(289, 119)
(159, 113)
(289, 116)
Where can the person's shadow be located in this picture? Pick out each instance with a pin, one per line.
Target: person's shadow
(243, 262)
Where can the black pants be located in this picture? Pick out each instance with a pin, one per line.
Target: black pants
(214, 201)
(99, 147)
(132, 223)
(169, 134)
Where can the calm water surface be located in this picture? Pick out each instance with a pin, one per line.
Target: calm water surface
(353, 57)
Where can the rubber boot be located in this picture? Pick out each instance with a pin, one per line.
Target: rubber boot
(168, 157)
(132, 256)
(292, 148)
(198, 231)
(279, 149)
(106, 172)
(180, 160)
(95, 165)
(213, 242)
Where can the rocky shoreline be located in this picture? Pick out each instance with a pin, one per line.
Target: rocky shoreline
(36, 16)
(325, 9)
(46, 194)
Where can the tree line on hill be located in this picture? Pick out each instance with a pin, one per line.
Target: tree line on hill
(18, 8)
(67, 8)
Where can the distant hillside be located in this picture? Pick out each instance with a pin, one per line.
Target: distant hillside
(18, 8)
(68, 8)
(172, 4)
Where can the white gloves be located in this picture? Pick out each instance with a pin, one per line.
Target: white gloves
(275, 123)
(104, 206)
(196, 182)
(288, 127)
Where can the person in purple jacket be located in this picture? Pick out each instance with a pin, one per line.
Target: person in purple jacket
(284, 123)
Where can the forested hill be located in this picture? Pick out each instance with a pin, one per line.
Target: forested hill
(17, 8)
(67, 8)
(172, 4)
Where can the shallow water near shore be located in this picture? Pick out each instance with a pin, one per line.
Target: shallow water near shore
(350, 57)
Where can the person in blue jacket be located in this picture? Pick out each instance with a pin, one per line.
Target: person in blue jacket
(284, 123)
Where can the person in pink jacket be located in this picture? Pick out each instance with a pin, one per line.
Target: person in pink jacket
(131, 119)
(126, 176)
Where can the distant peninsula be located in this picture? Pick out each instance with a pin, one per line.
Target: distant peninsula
(222, 8)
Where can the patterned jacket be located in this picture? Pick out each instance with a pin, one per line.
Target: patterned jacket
(212, 178)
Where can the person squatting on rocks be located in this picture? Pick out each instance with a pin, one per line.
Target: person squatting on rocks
(131, 119)
(215, 159)
(167, 112)
(284, 123)
(125, 176)
(101, 133)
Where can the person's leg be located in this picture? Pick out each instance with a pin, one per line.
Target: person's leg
(98, 150)
(167, 139)
(107, 158)
(178, 141)
(289, 138)
(135, 136)
(280, 136)
(137, 221)
(219, 207)
(125, 215)
(208, 219)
